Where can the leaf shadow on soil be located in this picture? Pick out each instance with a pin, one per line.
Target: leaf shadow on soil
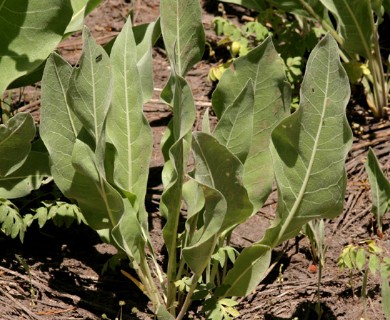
(68, 265)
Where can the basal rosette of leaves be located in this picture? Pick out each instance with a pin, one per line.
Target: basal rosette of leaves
(100, 146)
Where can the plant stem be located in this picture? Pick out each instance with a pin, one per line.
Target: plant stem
(376, 68)
(154, 291)
(319, 313)
(351, 283)
(187, 301)
(144, 275)
(364, 292)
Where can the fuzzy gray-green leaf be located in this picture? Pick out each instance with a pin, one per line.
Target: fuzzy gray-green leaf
(15, 142)
(235, 128)
(183, 33)
(309, 150)
(59, 126)
(30, 31)
(90, 87)
(265, 69)
(126, 127)
(100, 203)
(219, 173)
(309, 147)
(145, 37)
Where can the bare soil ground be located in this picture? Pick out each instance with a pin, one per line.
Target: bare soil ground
(64, 281)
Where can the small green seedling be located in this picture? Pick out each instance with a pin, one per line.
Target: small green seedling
(315, 231)
(367, 258)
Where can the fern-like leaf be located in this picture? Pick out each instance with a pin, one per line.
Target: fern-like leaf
(11, 222)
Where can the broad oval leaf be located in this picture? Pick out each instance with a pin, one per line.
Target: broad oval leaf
(15, 142)
(100, 203)
(146, 36)
(183, 33)
(309, 147)
(234, 129)
(265, 69)
(218, 169)
(90, 87)
(30, 31)
(309, 150)
(126, 126)
(59, 126)
(219, 173)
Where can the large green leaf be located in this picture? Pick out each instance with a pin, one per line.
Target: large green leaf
(15, 142)
(128, 234)
(217, 168)
(89, 95)
(308, 150)
(100, 203)
(27, 178)
(129, 132)
(265, 69)
(183, 33)
(90, 88)
(354, 21)
(380, 188)
(59, 130)
(59, 126)
(219, 173)
(234, 129)
(29, 32)
(146, 36)
(126, 127)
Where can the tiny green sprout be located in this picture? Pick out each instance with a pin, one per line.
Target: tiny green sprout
(365, 257)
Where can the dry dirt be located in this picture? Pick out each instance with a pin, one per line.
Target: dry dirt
(65, 264)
